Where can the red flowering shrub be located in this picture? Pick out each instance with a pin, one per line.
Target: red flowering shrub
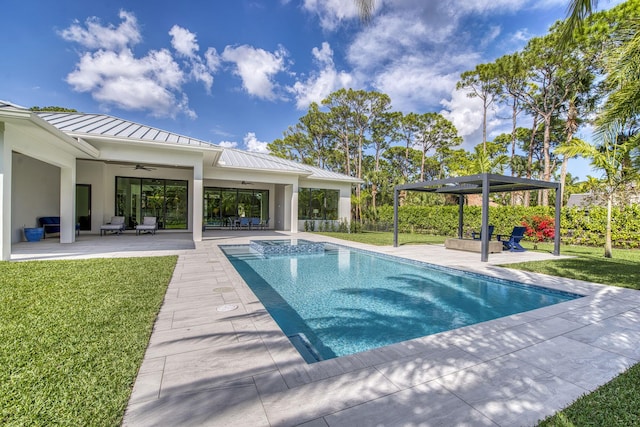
(539, 228)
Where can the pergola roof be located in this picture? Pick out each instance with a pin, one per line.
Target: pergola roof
(472, 184)
(484, 183)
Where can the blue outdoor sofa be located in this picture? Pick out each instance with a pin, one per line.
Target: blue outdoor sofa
(51, 224)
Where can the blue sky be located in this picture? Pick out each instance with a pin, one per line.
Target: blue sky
(239, 72)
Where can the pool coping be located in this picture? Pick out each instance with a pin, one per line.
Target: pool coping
(221, 368)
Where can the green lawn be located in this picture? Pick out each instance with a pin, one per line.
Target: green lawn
(73, 335)
(616, 403)
(380, 238)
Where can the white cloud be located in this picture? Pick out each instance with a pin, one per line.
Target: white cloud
(228, 144)
(319, 85)
(253, 144)
(212, 58)
(465, 113)
(114, 76)
(257, 68)
(183, 41)
(119, 79)
(96, 36)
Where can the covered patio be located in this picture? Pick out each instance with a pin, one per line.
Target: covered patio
(484, 184)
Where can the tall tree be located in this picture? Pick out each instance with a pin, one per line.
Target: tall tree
(511, 78)
(434, 131)
(295, 145)
(554, 76)
(481, 83)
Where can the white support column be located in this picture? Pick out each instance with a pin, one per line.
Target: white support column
(68, 204)
(286, 220)
(198, 194)
(294, 208)
(5, 197)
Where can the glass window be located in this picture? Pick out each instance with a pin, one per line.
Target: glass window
(222, 205)
(315, 203)
(304, 203)
(167, 200)
(176, 207)
(331, 201)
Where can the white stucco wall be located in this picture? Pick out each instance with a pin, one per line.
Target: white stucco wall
(35, 192)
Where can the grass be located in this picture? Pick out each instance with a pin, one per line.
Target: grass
(73, 335)
(616, 403)
(380, 238)
(590, 265)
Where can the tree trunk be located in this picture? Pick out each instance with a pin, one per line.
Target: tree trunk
(547, 157)
(608, 252)
(563, 177)
(484, 125)
(534, 128)
(514, 116)
(424, 154)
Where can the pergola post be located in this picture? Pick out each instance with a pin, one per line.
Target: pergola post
(556, 236)
(395, 218)
(460, 214)
(484, 238)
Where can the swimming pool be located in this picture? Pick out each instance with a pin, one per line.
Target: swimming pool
(344, 300)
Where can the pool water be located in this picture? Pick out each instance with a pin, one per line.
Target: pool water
(344, 301)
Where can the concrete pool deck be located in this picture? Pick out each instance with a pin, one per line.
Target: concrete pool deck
(208, 366)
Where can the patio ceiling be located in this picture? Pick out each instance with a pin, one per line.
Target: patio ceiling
(484, 184)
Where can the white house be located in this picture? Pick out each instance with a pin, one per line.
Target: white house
(86, 168)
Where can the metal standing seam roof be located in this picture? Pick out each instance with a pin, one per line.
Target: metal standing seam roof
(251, 160)
(109, 126)
(102, 125)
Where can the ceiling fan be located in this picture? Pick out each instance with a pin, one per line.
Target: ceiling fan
(140, 167)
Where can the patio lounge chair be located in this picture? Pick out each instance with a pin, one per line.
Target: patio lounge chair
(512, 242)
(476, 235)
(115, 226)
(149, 225)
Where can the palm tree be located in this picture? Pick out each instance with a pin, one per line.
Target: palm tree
(614, 158)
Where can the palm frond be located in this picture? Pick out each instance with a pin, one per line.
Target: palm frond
(576, 13)
(366, 9)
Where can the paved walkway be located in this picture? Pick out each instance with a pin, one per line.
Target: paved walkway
(206, 366)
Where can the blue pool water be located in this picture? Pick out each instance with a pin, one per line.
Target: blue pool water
(345, 301)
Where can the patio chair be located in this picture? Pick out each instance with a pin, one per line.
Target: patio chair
(477, 235)
(115, 226)
(255, 223)
(512, 242)
(149, 225)
(264, 224)
(244, 222)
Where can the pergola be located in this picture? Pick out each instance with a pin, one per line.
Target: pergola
(484, 183)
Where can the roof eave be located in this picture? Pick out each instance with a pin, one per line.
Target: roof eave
(146, 143)
(76, 143)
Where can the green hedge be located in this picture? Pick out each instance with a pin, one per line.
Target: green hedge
(577, 225)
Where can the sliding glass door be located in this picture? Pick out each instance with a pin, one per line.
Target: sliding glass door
(222, 205)
(165, 199)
